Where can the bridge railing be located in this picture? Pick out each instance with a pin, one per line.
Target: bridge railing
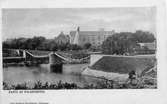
(66, 59)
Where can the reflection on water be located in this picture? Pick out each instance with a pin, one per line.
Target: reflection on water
(71, 74)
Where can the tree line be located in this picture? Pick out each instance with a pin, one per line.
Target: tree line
(126, 42)
(40, 43)
(118, 43)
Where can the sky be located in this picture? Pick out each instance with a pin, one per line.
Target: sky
(49, 22)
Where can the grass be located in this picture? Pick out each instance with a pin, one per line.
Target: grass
(140, 83)
(124, 65)
(40, 85)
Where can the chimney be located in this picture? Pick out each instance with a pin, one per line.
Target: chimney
(78, 29)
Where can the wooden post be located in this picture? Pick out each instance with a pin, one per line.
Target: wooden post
(24, 54)
(55, 62)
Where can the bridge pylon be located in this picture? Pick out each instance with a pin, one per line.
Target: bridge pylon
(56, 63)
(24, 54)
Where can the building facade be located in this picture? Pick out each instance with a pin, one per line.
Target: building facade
(146, 48)
(95, 38)
(62, 38)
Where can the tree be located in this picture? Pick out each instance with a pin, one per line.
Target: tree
(118, 43)
(125, 42)
(75, 47)
(37, 41)
(5, 45)
(143, 37)
(87, 45)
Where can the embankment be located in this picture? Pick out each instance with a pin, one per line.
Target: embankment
(118, 67)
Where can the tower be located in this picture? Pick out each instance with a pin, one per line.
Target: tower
(76, 38)
(78, 29)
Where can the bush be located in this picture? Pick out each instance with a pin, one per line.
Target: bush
(101, 84)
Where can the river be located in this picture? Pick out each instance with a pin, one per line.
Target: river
(71, 74)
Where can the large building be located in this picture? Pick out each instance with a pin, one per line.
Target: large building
(62, 38)
(95, 38)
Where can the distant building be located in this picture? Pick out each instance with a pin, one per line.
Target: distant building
(95, 38)
(146, 48)
(150, 46)
(62, 38)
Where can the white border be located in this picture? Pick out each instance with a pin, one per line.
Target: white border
(130, 96)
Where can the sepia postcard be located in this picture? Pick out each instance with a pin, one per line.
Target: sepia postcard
(83, 52)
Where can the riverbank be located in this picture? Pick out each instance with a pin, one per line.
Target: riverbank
(32, 78)
(102, 84)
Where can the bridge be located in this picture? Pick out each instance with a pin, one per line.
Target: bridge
(54, 59)
(28, 57)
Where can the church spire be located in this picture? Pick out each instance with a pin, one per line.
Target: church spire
(78, 29)
(76, 38)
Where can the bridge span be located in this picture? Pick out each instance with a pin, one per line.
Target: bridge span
(27, 56)
(54, 59)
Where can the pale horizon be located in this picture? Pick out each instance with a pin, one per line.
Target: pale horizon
(50, 22)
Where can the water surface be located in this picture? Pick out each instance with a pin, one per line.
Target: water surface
(71, 74)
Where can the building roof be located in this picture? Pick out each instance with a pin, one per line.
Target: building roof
(62, 38)
(92, 32)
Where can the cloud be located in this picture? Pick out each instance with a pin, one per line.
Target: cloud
(50, 22)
